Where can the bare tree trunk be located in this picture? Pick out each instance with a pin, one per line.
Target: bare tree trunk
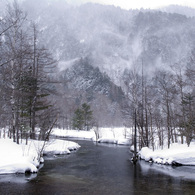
(12, 100)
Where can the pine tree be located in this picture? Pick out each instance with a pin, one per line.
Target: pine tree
(83, 117)
(87, 115)
(78, 119)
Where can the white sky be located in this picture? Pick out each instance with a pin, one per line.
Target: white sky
(133, 4)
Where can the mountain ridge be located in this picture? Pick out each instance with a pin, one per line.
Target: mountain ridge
(113, 41)
(116, 39)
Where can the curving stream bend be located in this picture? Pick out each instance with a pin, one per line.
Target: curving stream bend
(101, 170)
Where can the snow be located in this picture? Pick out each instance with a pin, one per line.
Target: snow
(24, 158)
(13, 159)
(114, 141)
(176, 154)
(120, 136)
(63, 65)
(107, 140)
(60, 147)
(74, 134)
(82, 40)
(182, 172)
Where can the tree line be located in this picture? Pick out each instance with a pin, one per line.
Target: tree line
(25, 73)
(163, 104)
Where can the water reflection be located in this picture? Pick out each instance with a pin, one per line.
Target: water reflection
(17, 178)
(181, 172)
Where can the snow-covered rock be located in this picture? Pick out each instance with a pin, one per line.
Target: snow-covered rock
(145, 154)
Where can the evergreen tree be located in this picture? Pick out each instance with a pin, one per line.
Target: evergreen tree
(83, 117)
(87, 116)
(78, 119)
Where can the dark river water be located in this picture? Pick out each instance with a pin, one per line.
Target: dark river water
(101, 170)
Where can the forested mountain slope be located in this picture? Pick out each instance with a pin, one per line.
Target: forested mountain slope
(97, 46)
(113, 38)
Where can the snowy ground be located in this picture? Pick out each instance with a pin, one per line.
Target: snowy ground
(89, 135)
(178, 153)
(22, 158)
(120, 136)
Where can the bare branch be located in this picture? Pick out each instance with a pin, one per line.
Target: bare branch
(6, 62)
(9, 27)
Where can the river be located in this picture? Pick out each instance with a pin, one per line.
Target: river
(101, 170)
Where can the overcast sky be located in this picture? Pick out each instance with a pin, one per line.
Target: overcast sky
(133, 4)
(130, 4)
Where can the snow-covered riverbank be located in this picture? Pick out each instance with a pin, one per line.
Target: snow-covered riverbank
(22, 158)
(177, 154)
(120, 136)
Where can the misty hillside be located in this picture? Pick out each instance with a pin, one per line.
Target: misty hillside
(83, 76)
(85, 83)
(96, 44)
(113, 38)
(188, 11)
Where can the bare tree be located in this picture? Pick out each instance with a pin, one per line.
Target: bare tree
(25, 72)
(14, 52)
(167, 91)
